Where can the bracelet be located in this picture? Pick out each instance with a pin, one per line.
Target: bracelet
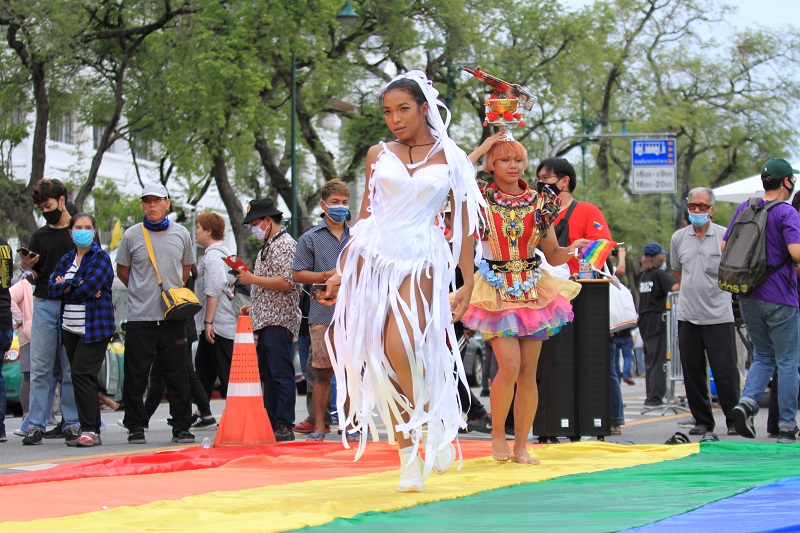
(324, 277)
(207, 323)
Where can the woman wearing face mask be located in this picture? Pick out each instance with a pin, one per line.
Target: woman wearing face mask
(82, 280)
(515, 303)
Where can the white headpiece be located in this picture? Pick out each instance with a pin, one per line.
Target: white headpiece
(462, 171)
(438, 127)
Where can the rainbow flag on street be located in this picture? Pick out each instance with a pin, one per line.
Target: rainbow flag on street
(596, 252)
(727, 486)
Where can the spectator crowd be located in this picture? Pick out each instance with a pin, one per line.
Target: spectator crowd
(63, 315)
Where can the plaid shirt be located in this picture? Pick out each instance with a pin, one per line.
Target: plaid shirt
(318, 251)
(94, 274)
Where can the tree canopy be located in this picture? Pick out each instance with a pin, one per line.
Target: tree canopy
(207, 84)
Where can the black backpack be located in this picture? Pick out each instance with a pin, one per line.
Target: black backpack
(743, 266)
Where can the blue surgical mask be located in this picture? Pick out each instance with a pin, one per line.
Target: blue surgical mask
(337, 213)
(698, 219)
(83, 237)
(663, 266)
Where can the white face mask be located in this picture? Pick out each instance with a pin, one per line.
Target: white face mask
(258, 232)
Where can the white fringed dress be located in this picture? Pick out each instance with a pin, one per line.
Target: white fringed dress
(400, 240)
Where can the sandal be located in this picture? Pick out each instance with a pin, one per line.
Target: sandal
(316, 437)
(353, 437)
(678, 438)
(710, 437)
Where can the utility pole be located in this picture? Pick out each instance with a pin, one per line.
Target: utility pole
(588, 127)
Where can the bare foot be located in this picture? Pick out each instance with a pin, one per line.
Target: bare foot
(500, 450)
(522, 456)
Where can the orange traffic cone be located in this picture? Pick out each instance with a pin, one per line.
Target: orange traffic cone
(244, 421)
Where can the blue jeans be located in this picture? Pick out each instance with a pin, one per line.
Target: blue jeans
(303, 348)
(51, 397)
(639, 354)
(626, 345)
(46, 348)
(775, 332)
(274, 350)
(6, 337)
(617, 414)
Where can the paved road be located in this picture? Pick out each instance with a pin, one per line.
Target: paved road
(653, 427)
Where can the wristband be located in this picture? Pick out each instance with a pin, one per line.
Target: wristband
(207, 322)
(324, 277)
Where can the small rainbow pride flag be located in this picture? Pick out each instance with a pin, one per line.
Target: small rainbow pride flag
(596, 252)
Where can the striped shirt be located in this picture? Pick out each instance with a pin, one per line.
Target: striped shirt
(94, 275)
(318, 250)
(74, 317)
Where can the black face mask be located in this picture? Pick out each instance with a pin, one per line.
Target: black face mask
(540, 187)
(52, 217)
(791, 190)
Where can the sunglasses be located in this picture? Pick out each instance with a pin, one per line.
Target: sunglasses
(699, 207)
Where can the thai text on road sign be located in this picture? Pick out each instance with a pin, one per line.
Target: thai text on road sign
(653, 152)
(653, 166)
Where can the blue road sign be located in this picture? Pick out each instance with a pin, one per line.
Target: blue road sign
(653, 152)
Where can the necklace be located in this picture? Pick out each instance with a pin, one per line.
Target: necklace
(410, 146)
(525, 198)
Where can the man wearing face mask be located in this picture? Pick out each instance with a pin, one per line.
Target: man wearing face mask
(576, 219)
(275, 312)
(315, 261)
(705, 315)
(149, 338)
(770, 310)
(579, 220)
(48, 244)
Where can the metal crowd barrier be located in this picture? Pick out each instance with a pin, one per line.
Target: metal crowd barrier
(673, 367)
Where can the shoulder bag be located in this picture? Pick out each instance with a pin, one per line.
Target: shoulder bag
(180, 302)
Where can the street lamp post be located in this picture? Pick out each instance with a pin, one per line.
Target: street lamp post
(294, 148)
(346, 17)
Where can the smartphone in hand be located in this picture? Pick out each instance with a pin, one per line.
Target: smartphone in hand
(317, 290)
(235, 262)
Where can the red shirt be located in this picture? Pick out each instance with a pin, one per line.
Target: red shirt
(586, 222)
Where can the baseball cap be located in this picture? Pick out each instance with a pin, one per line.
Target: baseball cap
(156, 189)
(260, 208)
(777, 168)
(654, 248)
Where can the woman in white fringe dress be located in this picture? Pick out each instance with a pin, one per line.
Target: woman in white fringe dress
(394, 348)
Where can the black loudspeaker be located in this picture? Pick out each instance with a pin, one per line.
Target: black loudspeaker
(573, 372)
(593, 359)
(557, 414)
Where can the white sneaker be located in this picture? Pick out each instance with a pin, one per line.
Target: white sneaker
(444, 459)
(411, 479)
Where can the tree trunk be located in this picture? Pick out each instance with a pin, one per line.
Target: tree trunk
(15, 202)
(684, 182)
(39, 140)
(219, 171)
(105, 141)
(280, 185)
